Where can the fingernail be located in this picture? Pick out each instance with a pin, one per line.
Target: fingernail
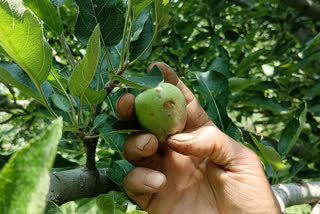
(182, 137)
(143, 140)
(155, 180)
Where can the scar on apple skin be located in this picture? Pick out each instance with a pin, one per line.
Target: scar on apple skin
(169, 105)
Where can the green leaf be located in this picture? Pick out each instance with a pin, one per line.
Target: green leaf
(296, 167)
(60, 101)
(139, 22)
(312, 44)
(3, 160)
(61, 162)
(105, 13)
(3, 52)
(82, 206)
(214, 87)
(150, 80)
(237, 84)
(165, 2)
(47, 12)
(22, 38)
(269, 154)
(265, 103)
(162, 13)
(139, 5)
(248, 61)
(234, 132)
(313, 92)
(315, 108)
(137, 47)
(84, 71)
(220, 64)
(292, 131)
(115, 55)
(54, 83)
(99, 120)
(108, 205)
(24, 189)
(12, 74)
(115, 141)
(118, 170)
(52, 208)
(92, 97)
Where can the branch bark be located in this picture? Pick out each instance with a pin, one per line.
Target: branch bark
(306, 7)
(78, 183)
(296, 193)
(91, 145)
(316, 208)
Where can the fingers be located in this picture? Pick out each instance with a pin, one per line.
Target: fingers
(196, 115)
(140, 183)
(209, 142)
(125, 107)
(140, 150)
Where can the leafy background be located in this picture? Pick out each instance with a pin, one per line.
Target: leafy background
(254, 69)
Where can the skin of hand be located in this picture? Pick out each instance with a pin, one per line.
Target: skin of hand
(201, 170)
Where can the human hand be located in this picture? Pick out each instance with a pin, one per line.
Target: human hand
(201, 170)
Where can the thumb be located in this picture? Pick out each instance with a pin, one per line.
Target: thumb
(209, 142)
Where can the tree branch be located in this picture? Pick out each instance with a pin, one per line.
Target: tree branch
(316, 208)
(91, 144)
(296, 193)
(306, 7)
(78, 183)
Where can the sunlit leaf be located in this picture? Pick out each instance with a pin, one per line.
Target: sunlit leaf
(269, 154)
(237, 84)
(46, 11)
(24, 189)
(84, 72)
(22, 38)
(162, 13)
(138, 6)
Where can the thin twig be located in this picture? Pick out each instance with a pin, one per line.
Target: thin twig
(67, 50)
(11, 118)
(91, 144)
(124, 35)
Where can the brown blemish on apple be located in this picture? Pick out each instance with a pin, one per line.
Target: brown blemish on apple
(169, 105)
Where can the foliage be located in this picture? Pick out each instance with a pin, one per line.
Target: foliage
(254, 70)
(22, 191)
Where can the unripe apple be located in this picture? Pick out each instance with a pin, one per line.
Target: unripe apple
(162, 111)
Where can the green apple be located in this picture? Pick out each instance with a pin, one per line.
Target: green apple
(162, 111)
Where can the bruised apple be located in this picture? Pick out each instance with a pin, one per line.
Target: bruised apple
(162, 111)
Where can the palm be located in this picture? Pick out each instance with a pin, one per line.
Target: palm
(188, 186)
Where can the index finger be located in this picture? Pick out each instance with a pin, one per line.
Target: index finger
(196, 115)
